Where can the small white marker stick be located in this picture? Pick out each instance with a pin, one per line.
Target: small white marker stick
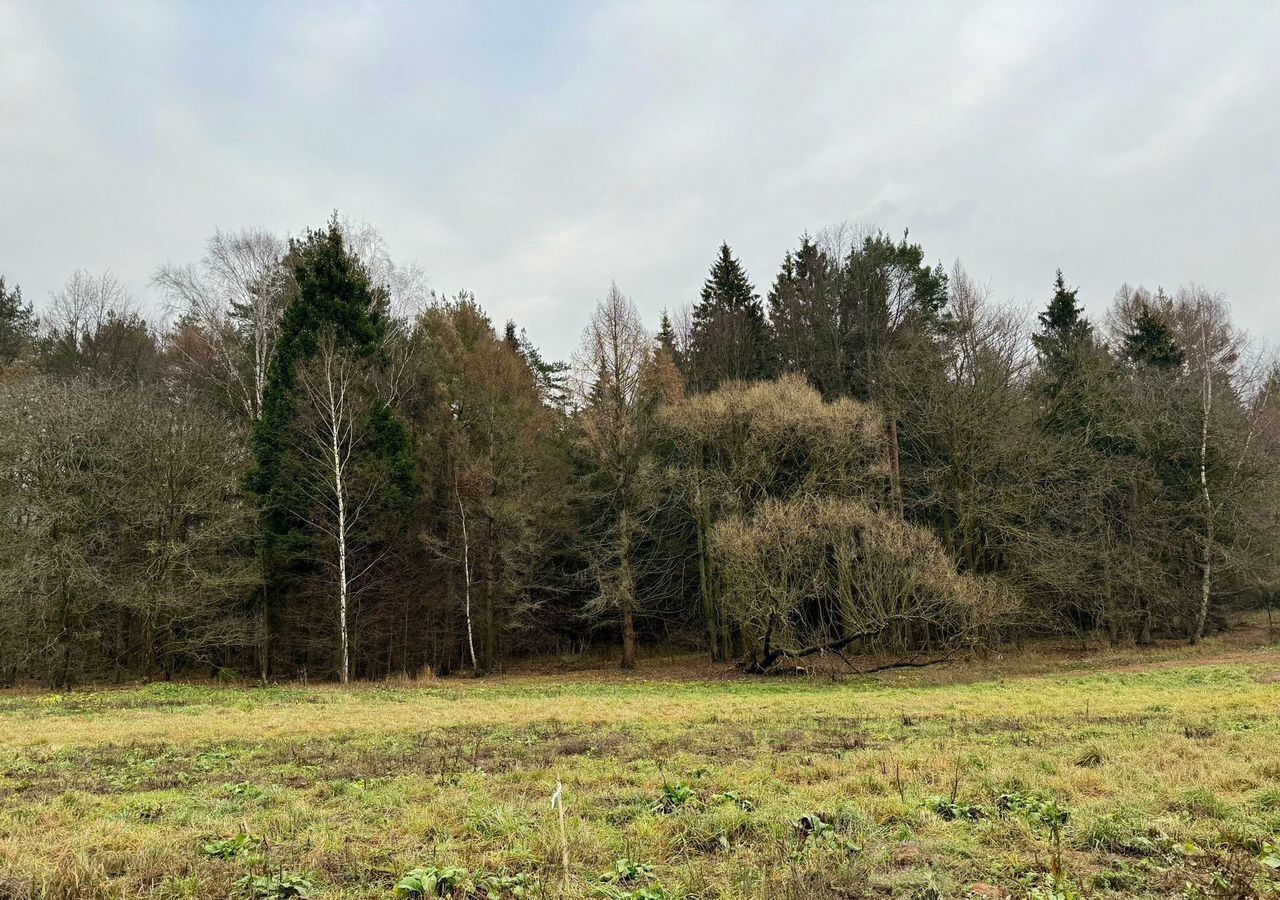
(557, 802)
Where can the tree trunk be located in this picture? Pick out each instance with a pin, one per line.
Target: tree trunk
(466, 572)
(709, 612)
(339, 491)
(628, 634)
(626, 595)
(1206, 560)
(264, 620)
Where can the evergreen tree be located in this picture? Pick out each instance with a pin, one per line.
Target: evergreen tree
(510, 336)
(333, 302)
(17, 323)
(728, 335)
(667, 335)
(801, 289)
(1150, 341)
(1071, 364)
(890, 296)
(551, 375)
(1063, 328)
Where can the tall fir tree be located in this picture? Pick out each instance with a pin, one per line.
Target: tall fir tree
(667, 335)
(510, 336)
(728, 339)
(1066, 350)
(332, 296)
(1063, 328)
(1150, 340)
(802, 290)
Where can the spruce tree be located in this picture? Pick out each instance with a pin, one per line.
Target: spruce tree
(332, 296)
(1063, 328)
(1150, 341)
(510, 336)
(728, 334)
(1071, 364)
(667, 335)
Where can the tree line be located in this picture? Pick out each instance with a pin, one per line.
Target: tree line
(316, 468)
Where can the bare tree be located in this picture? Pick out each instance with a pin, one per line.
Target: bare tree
(405, 284)
(616, 350)
(93, 325)
(1213, 348)
(232, 302)
(339, 393)
(120, 548)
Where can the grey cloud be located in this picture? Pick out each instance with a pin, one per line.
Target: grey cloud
(533, 153)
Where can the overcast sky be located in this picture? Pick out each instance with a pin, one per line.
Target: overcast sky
(533, 152)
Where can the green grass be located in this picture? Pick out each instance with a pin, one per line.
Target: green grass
(1166, 764)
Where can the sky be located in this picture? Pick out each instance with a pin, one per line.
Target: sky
(535, 152)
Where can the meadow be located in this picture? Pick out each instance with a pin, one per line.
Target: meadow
(1049, 775)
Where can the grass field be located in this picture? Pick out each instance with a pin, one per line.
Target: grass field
(1153, 774)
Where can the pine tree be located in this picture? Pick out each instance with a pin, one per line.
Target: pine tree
(889, 294)
(17, 323)
(551, 375)
(728, 334)
(1150, 340)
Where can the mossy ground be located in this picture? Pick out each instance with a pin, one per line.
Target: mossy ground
(1167, 763)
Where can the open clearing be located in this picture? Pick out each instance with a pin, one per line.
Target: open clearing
(930, 784)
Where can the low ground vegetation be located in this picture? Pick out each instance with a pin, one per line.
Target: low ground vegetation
(1130, 774)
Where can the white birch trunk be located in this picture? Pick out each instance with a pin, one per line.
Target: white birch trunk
(339, 492)
(466, 572)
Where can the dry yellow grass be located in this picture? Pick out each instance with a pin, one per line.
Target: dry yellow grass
(1167, 763)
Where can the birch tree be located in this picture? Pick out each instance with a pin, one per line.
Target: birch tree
(333, 341)
(335, 430)
(229, 307)
(1234, 402)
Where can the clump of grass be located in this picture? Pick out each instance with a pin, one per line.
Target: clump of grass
(1202, 803)
(1114, 832)
(1091, 757)
(734, 799)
